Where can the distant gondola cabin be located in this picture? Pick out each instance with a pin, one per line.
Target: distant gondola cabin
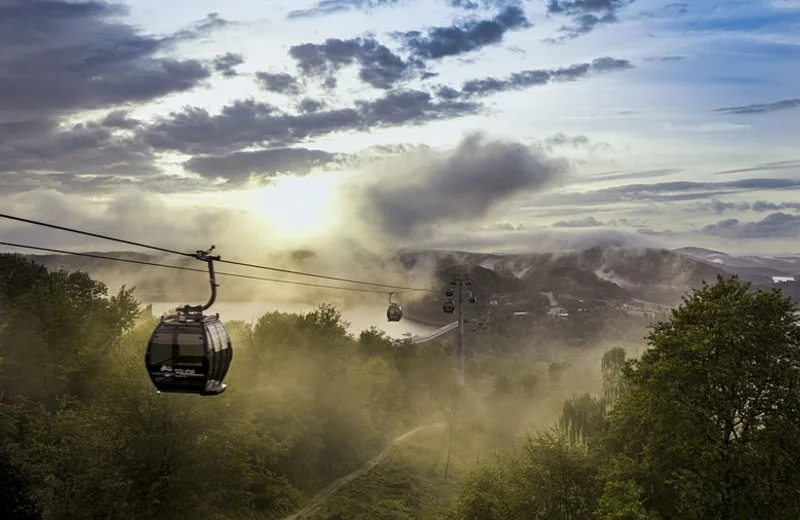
(394, 312)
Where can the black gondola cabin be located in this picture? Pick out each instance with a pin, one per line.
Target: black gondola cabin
(449, 307)
(189, 354)
(394, 312)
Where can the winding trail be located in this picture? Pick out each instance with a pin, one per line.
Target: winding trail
(320, 498)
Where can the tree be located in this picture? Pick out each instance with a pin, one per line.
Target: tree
(611, 366)
(582, 417)
(711, 420)
(549, 479)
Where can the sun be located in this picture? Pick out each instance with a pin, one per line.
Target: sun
(299, 207)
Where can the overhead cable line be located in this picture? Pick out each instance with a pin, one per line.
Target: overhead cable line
(182, 268)
(232, 262)
(96, 235)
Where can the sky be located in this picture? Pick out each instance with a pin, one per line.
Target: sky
(484, 125)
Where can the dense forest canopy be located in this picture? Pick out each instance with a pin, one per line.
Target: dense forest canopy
(705, 424)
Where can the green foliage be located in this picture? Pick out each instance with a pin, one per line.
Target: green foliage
(583, 417)
(549, 479)
(713, 410)
(705, 425)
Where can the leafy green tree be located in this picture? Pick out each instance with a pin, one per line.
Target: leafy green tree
(611, 367)
(549, 479)
(582, 417)
(711, 417)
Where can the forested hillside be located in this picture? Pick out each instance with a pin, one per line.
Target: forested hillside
(706, 424)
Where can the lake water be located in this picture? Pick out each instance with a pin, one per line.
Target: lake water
(360, 318)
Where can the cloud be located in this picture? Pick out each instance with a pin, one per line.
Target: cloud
(326, 7)
(655, 233)
(82, 148)
(132, 214)
(560, 139)
(537, 77)
(719, 206)
(763, 205)
(226, 63)
(463, 37)
(617, 176)
(309, 105)
(540, 240)
(250, 123)
(666, 58)
(669, 191)
(461, 186)
(379, 67)
(238, 166)
(281, 83)
(785, 104)
(587, 222)
(471, 5)
(793, 164)
(60, 58)
(586, 15)
(63, 56)
(772, 226)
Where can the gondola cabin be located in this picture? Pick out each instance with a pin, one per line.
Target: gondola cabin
(449, 307)
(189, 354)
(394, 312)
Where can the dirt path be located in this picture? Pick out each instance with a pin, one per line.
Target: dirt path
(317, 502)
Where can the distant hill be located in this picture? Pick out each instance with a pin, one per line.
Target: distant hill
(607, 272)
(755, 269)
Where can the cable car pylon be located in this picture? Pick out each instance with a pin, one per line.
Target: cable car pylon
(459, 280)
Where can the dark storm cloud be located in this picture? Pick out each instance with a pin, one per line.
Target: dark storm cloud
(281, 83)
(772, 226)
(464, 185)
(720, 206)
(251, 123)
(378, 65)
(586, 15)
(463, 37)
(325, 7)
(763, 205)
(238, 166)
(531, 78)
(225, 64)
(785, 104)
(587, 222)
